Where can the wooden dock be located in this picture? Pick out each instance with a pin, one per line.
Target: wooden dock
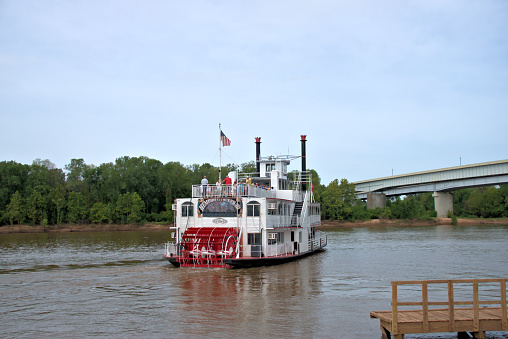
(476, 316)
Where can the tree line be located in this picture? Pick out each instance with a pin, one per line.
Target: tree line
(339, 202)
(130, 190)
(140, 189)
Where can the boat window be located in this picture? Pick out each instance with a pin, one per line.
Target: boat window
(275, 238)
(272, 207)
(254, 238)
(253, 209)
(187, 209)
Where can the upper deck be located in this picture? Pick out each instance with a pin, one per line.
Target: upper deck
(252, 185)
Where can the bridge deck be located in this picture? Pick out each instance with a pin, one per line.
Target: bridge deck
(474, 319)
(444, 179)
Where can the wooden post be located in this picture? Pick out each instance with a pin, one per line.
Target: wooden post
(504, 324)
(451, 307)
(476, 307)
(385, 334)
(395, 327)
(425, 307)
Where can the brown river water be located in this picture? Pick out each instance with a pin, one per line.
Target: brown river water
(116, 284)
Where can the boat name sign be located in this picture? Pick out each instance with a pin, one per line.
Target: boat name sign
(231, 202)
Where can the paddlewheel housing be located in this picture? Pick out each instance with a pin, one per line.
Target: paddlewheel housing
(207, 246)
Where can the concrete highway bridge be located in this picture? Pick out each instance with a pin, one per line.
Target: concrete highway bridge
(440, 181)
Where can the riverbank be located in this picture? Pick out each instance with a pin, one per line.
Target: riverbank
(432, 222)
(324, 224)
(81, 228)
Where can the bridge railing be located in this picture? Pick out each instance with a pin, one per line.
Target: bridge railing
(446, 179)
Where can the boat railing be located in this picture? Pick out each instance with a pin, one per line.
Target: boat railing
(300, 178)
(238, 243)
(320, 240)
(231, 191)
(277, 250)
(294, 179)
(171, 249)
(305, 208)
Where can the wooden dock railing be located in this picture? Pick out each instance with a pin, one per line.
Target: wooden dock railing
(476, 316)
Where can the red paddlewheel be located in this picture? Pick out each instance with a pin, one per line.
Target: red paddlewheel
(208, 246)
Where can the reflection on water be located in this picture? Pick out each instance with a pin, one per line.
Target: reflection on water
(117, 284)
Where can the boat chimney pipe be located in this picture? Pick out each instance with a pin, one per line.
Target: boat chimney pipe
(258, 156)
(304, 163)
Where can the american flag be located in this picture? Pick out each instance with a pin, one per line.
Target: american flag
(224, 139)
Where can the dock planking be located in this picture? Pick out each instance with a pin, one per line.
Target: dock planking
(476, 316)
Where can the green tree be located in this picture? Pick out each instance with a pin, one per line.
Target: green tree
(77, 209)
(248, 167)
(503, 192)
(140, 175)
(168, 214)
(316, 179)
(57, 198)
(13, 177)
(332, 204)
(36, 205)
(338, 200)
(493, 203)
(175, 181)
(460, 198)
(14, 208)
(99, 213)
(75, 175)
(474, 203)
(130, 206)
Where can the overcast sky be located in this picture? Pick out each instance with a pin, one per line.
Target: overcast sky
(375, 85)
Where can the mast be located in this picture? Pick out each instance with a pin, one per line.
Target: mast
(220, 154)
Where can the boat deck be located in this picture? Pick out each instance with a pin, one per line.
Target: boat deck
(489, 319)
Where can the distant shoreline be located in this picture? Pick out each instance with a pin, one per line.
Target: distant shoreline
(325, 224)
(433, 222)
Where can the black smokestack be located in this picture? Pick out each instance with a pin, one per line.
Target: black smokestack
(304, 162)
(258, 156)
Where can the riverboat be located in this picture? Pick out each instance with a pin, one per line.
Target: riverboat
(264, 218)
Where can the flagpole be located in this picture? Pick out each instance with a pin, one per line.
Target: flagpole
(220, 155)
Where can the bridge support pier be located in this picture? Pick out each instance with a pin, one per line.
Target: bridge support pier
(375, 200)
(443, 203)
